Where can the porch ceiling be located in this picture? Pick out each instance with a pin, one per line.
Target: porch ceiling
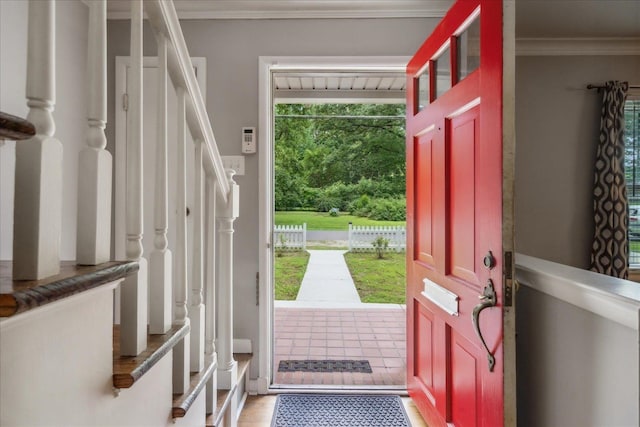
(332, 87)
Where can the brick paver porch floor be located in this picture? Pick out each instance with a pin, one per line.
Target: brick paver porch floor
(373, 334)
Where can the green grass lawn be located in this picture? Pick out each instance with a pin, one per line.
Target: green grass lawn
(634, 246)
(378, 280)
(288, 273)
(322, 220)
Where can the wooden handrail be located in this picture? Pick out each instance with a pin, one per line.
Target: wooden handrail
(15, 128)
(164, 19)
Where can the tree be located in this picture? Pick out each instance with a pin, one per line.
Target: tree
(359, 146)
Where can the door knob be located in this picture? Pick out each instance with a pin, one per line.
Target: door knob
(487, 299)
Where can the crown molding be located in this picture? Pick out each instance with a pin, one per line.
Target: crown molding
(295, 9)
(604, 46)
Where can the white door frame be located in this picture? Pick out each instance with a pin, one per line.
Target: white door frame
(267, 66)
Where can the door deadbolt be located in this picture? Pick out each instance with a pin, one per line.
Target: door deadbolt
(489, 261)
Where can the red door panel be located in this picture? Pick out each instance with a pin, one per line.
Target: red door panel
(455, 219)
(465, 392)
(424, 342)
(424, 234)
(461, 143)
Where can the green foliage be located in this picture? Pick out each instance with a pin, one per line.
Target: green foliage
(388, 209)
(381, 245)
(288, 272)
(378, 280)
(327, 162)
(334, 212)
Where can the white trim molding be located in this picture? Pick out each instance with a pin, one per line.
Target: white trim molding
(267, 66)
(296, 9)
(614, 299)
(603, 46)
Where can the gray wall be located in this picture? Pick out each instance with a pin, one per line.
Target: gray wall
(574, 368)
(232, 49)
(557, 125)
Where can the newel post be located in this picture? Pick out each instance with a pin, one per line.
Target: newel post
(93, 243)
(227, 213)
(37, 215)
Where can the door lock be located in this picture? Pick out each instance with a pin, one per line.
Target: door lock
(489, 261)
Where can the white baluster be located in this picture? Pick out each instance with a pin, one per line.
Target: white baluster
(196, 308)
(210, 291)
(133, 314)
(93, 242)
(38, 168)
(181, 359)
(227, 213)
(160, 262)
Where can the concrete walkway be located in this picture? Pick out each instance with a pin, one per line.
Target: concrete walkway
(327, 280)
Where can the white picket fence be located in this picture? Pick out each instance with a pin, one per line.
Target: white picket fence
(290, 237)
(361, 237)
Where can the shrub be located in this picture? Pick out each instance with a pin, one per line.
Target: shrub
(380, 244)
(334, 211)
(387, 209)
(360, 206)
(337, 195)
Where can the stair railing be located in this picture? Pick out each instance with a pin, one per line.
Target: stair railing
(189, 300)
(214, 211)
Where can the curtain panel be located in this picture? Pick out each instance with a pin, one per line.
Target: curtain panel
(610, 250)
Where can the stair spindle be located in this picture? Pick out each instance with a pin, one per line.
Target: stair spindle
(93, 242)
(133, 298)
(210, 290)
(181, 353)
(37, 219)
(161, 257)
(196, 309)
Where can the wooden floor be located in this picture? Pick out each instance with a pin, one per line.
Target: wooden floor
(258, 411)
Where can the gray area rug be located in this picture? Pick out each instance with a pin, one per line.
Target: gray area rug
(336, 410)
(362, 366)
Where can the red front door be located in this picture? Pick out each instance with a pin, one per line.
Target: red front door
(459, 256)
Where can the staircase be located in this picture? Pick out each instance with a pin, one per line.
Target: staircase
(146, 339)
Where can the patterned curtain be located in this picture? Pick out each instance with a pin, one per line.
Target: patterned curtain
(610, 251)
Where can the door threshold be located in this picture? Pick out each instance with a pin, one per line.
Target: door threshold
(332, 389)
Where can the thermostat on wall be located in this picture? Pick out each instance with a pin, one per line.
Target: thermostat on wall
(248, 140)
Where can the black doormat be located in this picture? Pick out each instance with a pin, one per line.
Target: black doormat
(361, 366)
(332, 410)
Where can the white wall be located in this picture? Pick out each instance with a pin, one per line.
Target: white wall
(232, 49)
(56, 367)
(69, 113)
(557, 131)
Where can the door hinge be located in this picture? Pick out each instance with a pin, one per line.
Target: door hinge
(125, 101)
(258, 288)
(508, 279)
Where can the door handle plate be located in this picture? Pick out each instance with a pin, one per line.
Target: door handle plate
(487, 299)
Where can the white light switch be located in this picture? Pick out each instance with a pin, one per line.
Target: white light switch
(234, 162)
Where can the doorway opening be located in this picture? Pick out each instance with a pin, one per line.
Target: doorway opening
(309, 341)
(339, 241)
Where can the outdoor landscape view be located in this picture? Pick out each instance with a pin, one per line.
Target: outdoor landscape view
(339, 239)
(337, 164)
